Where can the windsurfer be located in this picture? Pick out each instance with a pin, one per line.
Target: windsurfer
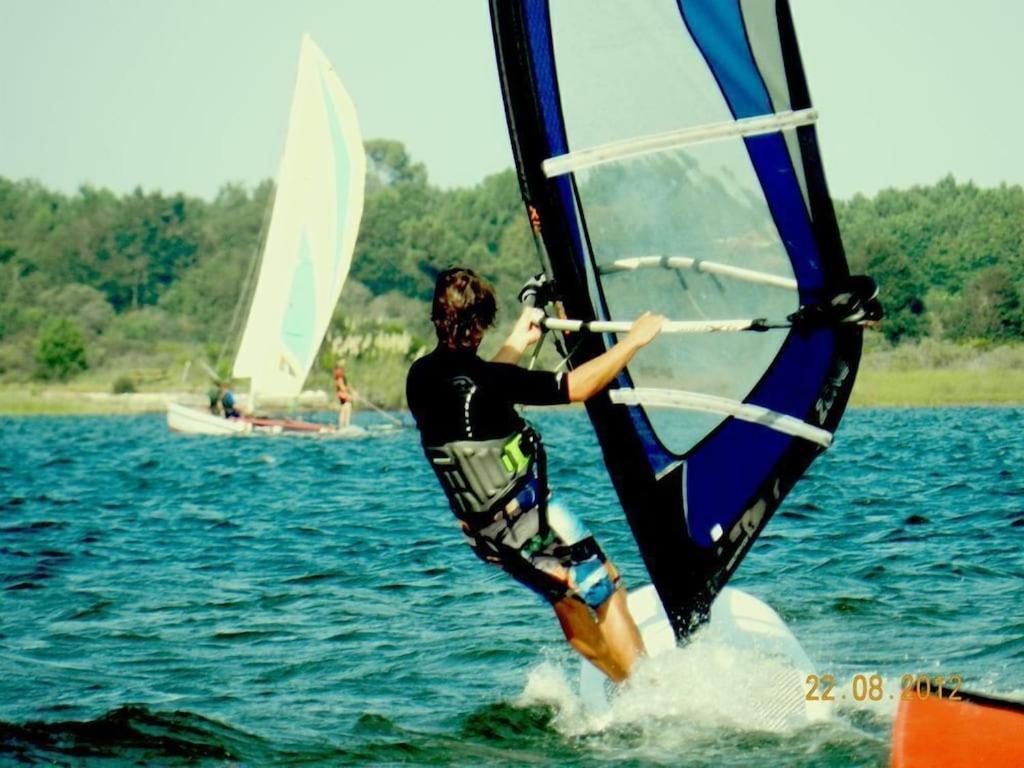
(491, 464)
(344, 396)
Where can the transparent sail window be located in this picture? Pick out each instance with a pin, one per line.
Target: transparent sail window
(702, 203)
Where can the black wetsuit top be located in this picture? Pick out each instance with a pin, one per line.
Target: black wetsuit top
(454, 395)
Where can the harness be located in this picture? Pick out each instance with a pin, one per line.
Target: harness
(498, 488)
(481, 476)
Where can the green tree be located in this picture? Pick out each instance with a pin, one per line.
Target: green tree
(388, 163)
(60, 351)
(901, 287)
(992, 307)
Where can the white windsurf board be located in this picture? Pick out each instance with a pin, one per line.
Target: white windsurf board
(742, 630)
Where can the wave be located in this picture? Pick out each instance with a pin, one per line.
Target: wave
(132, 733)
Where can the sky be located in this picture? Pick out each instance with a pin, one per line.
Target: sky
(187, 95)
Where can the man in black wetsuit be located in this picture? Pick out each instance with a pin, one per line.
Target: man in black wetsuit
(491, 463)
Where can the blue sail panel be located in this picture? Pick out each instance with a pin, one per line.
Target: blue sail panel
(297, 326)
(718, 30)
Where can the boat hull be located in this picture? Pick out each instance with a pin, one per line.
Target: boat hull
(194, 421)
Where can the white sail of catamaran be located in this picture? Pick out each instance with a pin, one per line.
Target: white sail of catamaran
(308, 249)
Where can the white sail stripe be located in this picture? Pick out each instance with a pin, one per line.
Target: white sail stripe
(670, 326)
(658, 142)
(697, 401)
(700, 265)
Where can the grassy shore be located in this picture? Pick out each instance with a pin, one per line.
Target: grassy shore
(937, 387)
(929, 374)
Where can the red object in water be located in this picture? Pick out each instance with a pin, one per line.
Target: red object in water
(971, 730)
(289, 425)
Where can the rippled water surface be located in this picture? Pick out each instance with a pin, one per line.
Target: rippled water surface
(169, 599)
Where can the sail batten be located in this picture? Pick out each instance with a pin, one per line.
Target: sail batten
(699, 401)
(698, 265)
(642, 145)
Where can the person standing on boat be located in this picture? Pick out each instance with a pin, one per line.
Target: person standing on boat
(341, 390)
(492, 465)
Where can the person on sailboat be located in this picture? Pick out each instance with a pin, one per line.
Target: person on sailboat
(492, 465)
(344, 396)
(213, 394)
(226, 400)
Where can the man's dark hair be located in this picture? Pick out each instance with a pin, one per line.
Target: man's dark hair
(464, 307)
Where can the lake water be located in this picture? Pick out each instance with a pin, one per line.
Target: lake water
(170, 599)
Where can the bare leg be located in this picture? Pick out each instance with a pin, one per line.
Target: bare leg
(612, 643)
(345, 414)
(620, 631)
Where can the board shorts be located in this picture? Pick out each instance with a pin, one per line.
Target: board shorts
(546, 548)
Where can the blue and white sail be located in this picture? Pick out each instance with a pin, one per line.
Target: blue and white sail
(667, 156)
(312, 233)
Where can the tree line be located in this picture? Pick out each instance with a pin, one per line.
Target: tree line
(949, 259)
(95, 280)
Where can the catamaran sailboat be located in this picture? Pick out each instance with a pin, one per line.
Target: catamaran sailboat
(306, 255)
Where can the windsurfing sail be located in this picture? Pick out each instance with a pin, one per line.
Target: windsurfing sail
(312, 232)
(667, 156)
